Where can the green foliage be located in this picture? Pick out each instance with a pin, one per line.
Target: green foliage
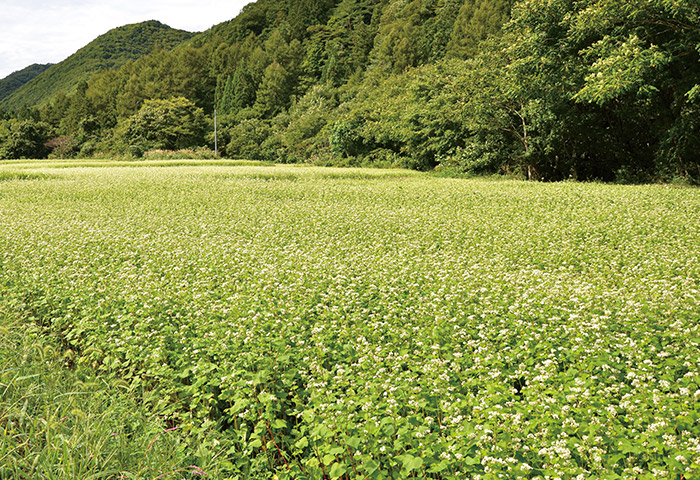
(15, 80)
(166, 125)
(409, 120)
(303, 15)
(306, 322)
(341, 47)
(61, 420)
(587, 90)
(620, 69)
(247, 137)
(274, 92)
(300, 137)
(476, 21)
(394, 52)
(23, 139)
(238, 92)
(109, 51)
(544, 89)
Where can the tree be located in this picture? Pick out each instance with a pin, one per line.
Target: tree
(589, 89)
(394, 49)
(410, 120)
(166, 124)
(642, 65)
(79, 111)
(23, 139)
(237, 92)
(307, 13)
(477, 19)
(246, 138)
(273, 94)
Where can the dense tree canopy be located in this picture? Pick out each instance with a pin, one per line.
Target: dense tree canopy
(23, 139)
(165, 124)
(111, 50)
(14, 81)
(591, 89)
(548, 89)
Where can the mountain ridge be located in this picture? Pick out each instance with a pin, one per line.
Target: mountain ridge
(17, 79)
(110, 50)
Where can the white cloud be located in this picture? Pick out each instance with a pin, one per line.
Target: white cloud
(43, 31)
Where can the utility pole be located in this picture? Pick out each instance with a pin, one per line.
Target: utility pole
(216, 140)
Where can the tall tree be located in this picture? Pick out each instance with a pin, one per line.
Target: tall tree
(166, 124)
(476, 20)
(23, 139)
(273, 94)
(600, 89)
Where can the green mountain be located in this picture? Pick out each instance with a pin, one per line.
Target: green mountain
(544, 90)
(15, 80)
(108, 51)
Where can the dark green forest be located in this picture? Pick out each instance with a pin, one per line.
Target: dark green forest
(14, 81)
(544, 89)
(109, 51)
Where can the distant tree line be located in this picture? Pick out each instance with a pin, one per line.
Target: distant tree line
(546, 89)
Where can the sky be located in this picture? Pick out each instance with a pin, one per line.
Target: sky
(49, 31)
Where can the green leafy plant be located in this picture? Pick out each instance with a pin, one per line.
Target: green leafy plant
(306, 322)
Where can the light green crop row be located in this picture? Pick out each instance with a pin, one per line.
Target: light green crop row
(376, 324)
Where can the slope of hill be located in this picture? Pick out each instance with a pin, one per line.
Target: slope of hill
(15, 80)
(108, 51)
(558, 92)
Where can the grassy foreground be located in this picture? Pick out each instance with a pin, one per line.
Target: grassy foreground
(174, 320)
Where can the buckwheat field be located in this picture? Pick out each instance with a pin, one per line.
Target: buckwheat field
(312, 323)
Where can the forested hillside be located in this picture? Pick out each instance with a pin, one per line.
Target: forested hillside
(15, 80)
(108, 51)
(547, 89)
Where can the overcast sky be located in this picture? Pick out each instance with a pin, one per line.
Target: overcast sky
(49, 31)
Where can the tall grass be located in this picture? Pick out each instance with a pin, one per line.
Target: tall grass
(63, 422)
